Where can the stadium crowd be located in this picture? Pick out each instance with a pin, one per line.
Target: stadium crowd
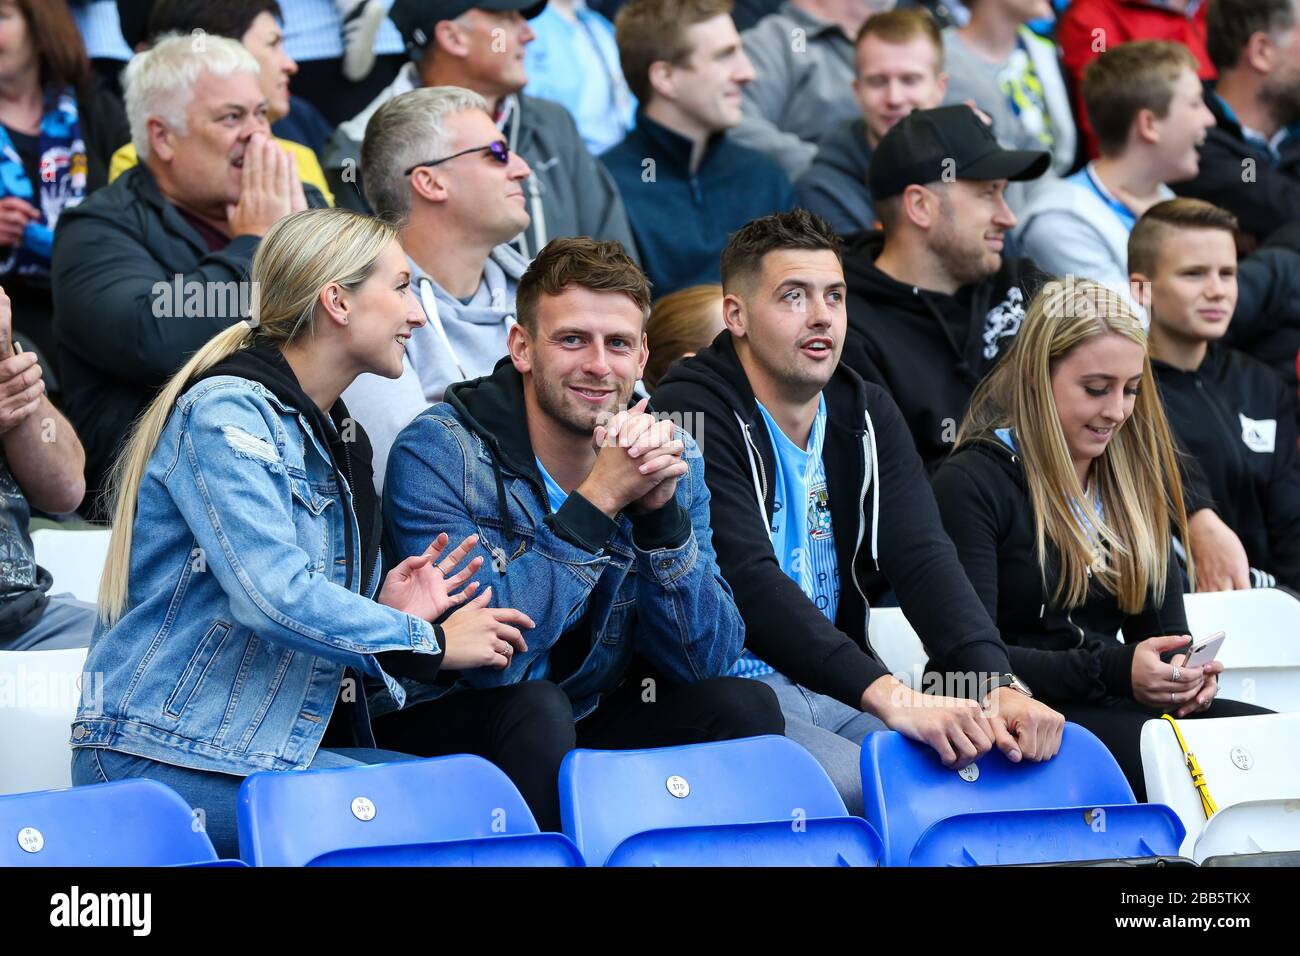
(507, 376)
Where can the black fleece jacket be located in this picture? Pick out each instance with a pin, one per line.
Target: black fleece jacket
(1237, 422)
(882, 512)
(1065, 655)
(118, 259)
(927, 349)
(1263, 200)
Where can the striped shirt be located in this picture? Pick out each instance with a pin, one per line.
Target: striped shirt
(313, 30)
(100, 30)
(800, 531)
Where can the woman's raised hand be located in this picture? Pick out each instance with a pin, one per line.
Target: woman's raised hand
(425, 586)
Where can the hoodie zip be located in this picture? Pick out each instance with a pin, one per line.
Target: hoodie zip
(1232, 437)
(1042, 610)
(759, 473)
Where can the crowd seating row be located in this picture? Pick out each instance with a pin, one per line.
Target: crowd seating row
(762, 800)
(759, 801)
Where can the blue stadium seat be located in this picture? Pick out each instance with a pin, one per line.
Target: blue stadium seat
(446, 811)
(1076, 806)
(124, 823)
(762, 801)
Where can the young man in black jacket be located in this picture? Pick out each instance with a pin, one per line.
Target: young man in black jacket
(1231, 413)
(812, 473)
(932, 300)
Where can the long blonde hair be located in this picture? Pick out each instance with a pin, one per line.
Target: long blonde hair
(1136, 477)
(298, 257)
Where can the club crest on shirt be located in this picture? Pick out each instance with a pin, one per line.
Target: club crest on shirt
(1259, 434)
(819, 513)
(1003, 321)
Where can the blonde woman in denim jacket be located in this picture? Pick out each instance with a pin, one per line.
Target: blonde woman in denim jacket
(242, 607)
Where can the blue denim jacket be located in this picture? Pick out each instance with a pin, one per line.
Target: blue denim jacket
(649, 586)
(239, 622)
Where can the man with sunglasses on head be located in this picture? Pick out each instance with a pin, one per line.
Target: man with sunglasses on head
(433, 160)
(479, 45)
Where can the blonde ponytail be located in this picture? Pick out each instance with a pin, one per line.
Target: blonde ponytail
(298, 257)
(129, 468)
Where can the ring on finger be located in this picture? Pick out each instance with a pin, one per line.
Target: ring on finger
(1177, 674)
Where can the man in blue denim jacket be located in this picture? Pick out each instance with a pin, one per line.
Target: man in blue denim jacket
(594, 521)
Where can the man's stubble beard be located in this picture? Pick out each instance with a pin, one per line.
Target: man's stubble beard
(967, 264)
(1282, 102)
(552, 401)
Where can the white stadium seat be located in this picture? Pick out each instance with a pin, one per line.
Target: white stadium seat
(39, 692)
(74, 558)
(1251, 772)
(1261, 654)
(897, 645)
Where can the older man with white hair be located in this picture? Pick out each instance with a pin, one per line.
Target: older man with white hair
(150, 267)
(434, 160)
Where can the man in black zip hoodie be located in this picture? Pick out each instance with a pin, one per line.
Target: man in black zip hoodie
(1232, 414)
(772, 391)
(932, 301)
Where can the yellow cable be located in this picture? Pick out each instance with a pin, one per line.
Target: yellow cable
(1198, 775)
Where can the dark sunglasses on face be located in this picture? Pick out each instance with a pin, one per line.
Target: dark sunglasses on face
(498, 151)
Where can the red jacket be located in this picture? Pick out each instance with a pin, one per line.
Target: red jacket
(1090, 27)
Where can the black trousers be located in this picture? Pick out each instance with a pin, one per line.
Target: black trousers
(1117, 722)
(526, 729)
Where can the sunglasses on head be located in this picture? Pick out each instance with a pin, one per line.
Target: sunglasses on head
(498, 151)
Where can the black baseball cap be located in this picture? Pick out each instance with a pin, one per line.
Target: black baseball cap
(415, 19)
(950, 142)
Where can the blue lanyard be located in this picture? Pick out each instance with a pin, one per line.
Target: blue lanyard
(1126, 215)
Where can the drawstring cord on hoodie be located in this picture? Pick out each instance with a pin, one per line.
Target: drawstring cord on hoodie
(758, 474)
(430, 304)
(499, 559)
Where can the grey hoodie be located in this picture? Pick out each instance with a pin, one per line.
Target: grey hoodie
(971, 77)
(569, 193)
(835, 185)
(459, 341)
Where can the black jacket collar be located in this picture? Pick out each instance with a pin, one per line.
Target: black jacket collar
(1209, 367)
(492, 407)
(718, 368)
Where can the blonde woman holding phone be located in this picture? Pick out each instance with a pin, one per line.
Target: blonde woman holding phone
(1063, 498)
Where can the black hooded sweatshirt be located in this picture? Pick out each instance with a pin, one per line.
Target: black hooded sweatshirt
(351, 461)
(882, 513)
(1243, 177)
(927, 349)
(1065, 655)
(1237, 421)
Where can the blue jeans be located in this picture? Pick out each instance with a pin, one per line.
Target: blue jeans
(65, 623)
(211, 795)
(828, 729)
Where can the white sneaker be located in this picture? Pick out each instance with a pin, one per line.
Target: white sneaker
(361, 22)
